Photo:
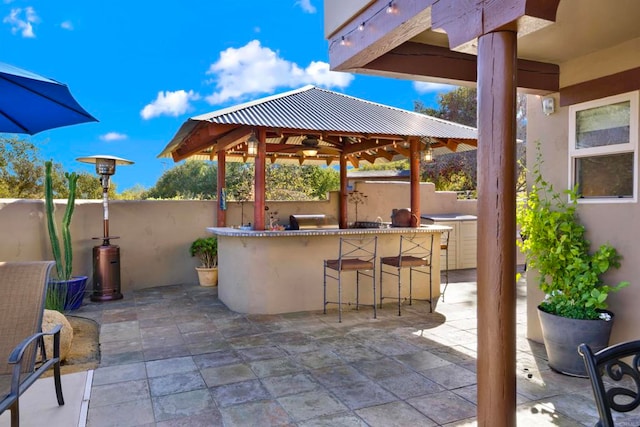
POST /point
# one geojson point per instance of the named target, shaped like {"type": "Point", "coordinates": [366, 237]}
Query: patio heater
{"type": "Point", "coordinates": [106, 257]}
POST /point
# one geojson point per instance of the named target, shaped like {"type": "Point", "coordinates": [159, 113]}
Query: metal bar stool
{"type": "Point", "coordinates": [444, 246]}
{"type": "Point", "coordinates": [415, 254]}
{"type": "Point", "coordinates": [356, 254]}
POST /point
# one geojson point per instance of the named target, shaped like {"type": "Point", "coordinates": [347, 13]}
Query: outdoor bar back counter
{"type": "Point", "coordinates": [270, 272]}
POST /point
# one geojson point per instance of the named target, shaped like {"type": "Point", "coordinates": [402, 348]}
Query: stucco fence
{"type": "Point", "coordinates": [154, 236]}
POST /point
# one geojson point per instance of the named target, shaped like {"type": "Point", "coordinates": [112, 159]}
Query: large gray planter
{"type": "Point", "coordinates": [562, 336]}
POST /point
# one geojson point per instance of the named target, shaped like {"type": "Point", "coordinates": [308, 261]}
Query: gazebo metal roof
{"type": "Point", "coordinates": [360, 129]}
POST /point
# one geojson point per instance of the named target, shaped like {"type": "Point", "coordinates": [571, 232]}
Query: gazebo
{"type": "Point", "coordinates": [316, 126]}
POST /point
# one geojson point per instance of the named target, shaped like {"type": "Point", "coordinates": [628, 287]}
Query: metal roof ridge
{"type": "Point", "coordinates": [234, 108]}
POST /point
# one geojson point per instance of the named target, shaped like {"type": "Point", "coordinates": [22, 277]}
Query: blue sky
{"type": "Point", "coordinates": [143, 68]}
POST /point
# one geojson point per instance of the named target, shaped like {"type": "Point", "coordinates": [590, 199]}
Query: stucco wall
{"type": "Point", "coordinates": [607, 222]}
{"type": "Point", "coordinates": [155, 235]}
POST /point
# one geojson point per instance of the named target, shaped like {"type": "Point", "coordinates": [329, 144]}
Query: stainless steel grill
{"type": "Point", "coordinates": [312, 222]}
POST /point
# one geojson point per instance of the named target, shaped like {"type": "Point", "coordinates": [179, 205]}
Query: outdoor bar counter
{"type": "Point", "coordinates": [271, 272]}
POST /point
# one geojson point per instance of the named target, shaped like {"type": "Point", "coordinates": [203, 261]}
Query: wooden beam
{"type": "Point", "coordinates": [233, 137]}
{"type": "Point", "coordinates": [419, 59]}
{"type": "Point", "coordinates": [496, 229]}
{"type": "Point", "coordinates": [614, 84]}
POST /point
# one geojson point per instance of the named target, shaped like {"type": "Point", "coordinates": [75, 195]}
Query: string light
{"type": "Point", "coordinates": [389, 8]}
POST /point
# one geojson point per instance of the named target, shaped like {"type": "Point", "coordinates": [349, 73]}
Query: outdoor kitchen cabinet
{"type": "Point", "coordinates": [463, 239]}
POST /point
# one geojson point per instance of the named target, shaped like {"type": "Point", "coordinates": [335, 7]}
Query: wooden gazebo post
{"type": "Point", "coordinates": [221, 217]}
{"type": "Point", "coordinates": [343, 211]}
{"type": "Point", "coordinates": [414, 166]}
{"type": "Point", "coordinates": [496, 228]}
{"type": "Point", "coordinates": [260, 181]}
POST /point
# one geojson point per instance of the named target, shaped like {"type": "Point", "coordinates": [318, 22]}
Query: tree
{"type": "Point", "coordinates": [22, 174]}
{"type": "Point", "coordinates": [193, 179]}
{"type": "Point", "coordinates": [459, 174]}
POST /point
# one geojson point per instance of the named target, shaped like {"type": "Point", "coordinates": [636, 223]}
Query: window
{"type": "Point", "coordinates": [603, 141]}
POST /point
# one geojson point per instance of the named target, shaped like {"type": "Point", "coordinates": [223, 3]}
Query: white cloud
{"type": "Point", "coordinates": [21, 21]}
{"type": "Point", "coordinates": [253, 69]}
{"type": "Point", "coordinates": [169, 104]}
{"type": "Point", "coordinates": [427, 87]}
{"type": "Point", "coordinates": [67, 25]}
{"type": "Point", "coordinates": [113, 136]}
{"type": "Point", "coordinates": [306, 6]}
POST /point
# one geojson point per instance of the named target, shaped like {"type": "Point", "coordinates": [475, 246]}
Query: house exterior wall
{"type": "Point", "coordinates": [605, 222]}
{"type": "Point", "coordinates": [155, 235]}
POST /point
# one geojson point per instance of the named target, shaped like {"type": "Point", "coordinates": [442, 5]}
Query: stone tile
{"type": "Point", "coordinates": [290, 384]}
{"type": "Point", "coordinates": [249, 341]}
{"type": "Point", "coordinates": [151, 323]}
{"type": "Point", "coordinates": [218, 358]}
{"type": "Point", "coordinates": [409, 385]}
{"type": "Point", "coordinates": [226, 374]}
{"type": "Point", "coordinates": [242, 392]}
{"type": "Point", "coordinates": [207, 347]}
{"type": "Point", "coordinates": [176, 365]}
{"type": "Point", "coordinates": [537, 414]}
{"type": "Point", "coordinates": [252, 354]}
{"type": "Point", "coordinates": [382, 368]}
{"type": "Point", "coordinates": [120, 373]}
{"type": "Point", "coordinates": [202, 324]}
{"type": "Point", "coordinates": [444, 407]}
{"type": "Point", "coordinates": [176, 383]}
{"type": "Point", "coordinates": [151, 354]}
{"type": "Point", "coordinates": [318, 359]}
{"type": "Point", "coordinates": [120, 331]}
{"type": "Point", "coordinates": [159, 341]}
{"type": "Point", "coordinates": [361, 395]}
{"type": "Point", "coordinates": [274, 367]}
{"type": "Point", "coordinates": [114, 347]}
{"type": "Point", "coordinates": [210, 418]}
{"type": "Point", "coordinates": [451, 376]}
{"type": "Point", "coordinates": [357, 353]}
{"type": "Point", "coordinates": [181, 405]}
{"type": "Point", "coordinates": [303, 406]}
{"type": "Point", "coordinates": [339, 420]}
{"type": "Point", "coordinates": [126, 414]}
{"type": "Point", "coordinates": [422, 360]}
{"type": "Point", "coordinates": [394, 414]}
{"type": "Point", "coordinates": [110, 394]}
{"type": "Point", "coordinates": [336, 376]}
{"type": "Point", "coordinates": [119, 315]}
{"type": "Point", "coordinates": [392, 347]}
{"type": "Point", "coordinates": [121, 358]}
{"type": "Point", "coordinates": [197, 337]}
{"type": "Point", "coordinates": [269, 412]}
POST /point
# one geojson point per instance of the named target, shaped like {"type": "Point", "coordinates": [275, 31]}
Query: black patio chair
{"type": "Point", "coordinates": [615, 379]}
{"type": "Point", "coordinates": [23, 287]}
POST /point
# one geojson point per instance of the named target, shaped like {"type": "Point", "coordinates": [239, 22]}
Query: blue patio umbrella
{"type": "Point", "coordinates": [30, 103]}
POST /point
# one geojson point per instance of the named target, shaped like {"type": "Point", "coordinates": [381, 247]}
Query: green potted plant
{"type": "Point", "coordinates": [65, 291]}
{"type": "Point", "coordinates": [575, 306]}
{"type": "Point", "coordinates": [206, 249]}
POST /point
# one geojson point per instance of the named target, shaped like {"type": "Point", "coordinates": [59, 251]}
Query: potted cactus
{"type": "Point", "coordinates": [65, 291]}
{"type": "Point", "coordinates": [206, 249]}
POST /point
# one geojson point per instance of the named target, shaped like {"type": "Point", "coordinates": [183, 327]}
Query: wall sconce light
{"type": "Point", "coordinates": [252, 145]}
{"type": "Point", "coordinates": [427, 154]}
{"type": "Point", "coordinates": [548, 105]}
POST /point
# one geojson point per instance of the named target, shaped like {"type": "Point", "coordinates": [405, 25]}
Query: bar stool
{"type": "Point", "coordinates": [356, 254]}
{"type": "Point", "coordinates": [415, 254]}
{"type": "Point", "coordinates": [444, 246]}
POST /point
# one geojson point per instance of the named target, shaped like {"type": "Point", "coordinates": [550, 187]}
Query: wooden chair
{"type": "Point", "coordinates": [415, 254]}
{"type": "Point", "coordinates": [23, 287]}
{"type": "Point", "coordinates": [355, 255]}
{"type": "Point", "coordinates": [615, 382]}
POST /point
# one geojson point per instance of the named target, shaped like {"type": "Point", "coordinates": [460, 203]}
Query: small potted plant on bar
{"type": "Point", "coordinates": [574, 310]}
{"type": "Point", "coordinates": [206, 249]}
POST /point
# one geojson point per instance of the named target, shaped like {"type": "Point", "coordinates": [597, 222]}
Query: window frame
{"type": "Point", "coordinates": [629, 147]}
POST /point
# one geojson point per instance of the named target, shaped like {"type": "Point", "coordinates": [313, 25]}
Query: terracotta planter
{"type": "Point", "coordinates": [562, 336]}
{"type": "Point", "coordinates": [207, 276]}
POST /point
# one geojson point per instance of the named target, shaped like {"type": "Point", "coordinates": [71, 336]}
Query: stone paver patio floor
{"type": "Point", "coordinates": [176, 356]}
